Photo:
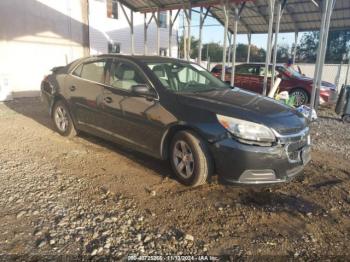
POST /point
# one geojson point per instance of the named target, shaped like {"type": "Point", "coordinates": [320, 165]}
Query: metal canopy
{"type": "Point", "coordinates": [298, 16]}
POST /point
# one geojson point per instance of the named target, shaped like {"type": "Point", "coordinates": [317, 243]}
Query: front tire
{"type": "Point", "coordinates": [62, 120]}
{"type": "Point", "coordinates": [190, 159]}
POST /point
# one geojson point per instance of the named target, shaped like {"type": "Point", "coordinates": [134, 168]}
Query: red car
{"type": "Point", "coordinates": [251, 77]}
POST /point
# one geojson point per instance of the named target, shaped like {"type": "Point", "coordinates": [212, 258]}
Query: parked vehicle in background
{"type": "Point", "coordinates": [176, 110]}
{"type": "Point", "coordinates": [251, 77]}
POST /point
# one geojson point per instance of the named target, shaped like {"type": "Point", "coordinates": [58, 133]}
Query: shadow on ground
{"type": "Point", "coordinates": [34, 109]}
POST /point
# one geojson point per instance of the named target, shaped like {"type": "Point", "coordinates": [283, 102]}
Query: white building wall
{"type": "Point", "coordinates": [36, 35]}
{"type": "Point", "coordinates": [104, 29]}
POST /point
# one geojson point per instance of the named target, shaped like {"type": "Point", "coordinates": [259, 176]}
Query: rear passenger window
{"type": "Point", "coordinates": [247, 70]}
{"type": "Point", "coordinates": [94, 71]}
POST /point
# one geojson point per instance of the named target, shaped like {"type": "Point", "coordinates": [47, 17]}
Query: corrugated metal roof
{"type": "Point", "coordinates": [298, 15]}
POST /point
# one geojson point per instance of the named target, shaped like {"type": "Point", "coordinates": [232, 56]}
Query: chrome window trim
{"type": "Point", "coordinates": [109, 86]}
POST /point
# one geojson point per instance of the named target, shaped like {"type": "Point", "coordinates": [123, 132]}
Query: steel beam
{"type": "Point", "coordinates": [235, 27]}
{"type": "Point", "coordinates": [229, 36]}
{"type": "Point", "coordinates": [201, 24]}
{"type": "Point", "coordinates": [295, 45]}
{"type": "Point", "coordinates": [158, 33]}
{"type": "Point", "coordinates": [224, 50]}
{"type": "Point", "coordinates": [145, 34]}
{"type": "Point", "coordinates": [275, 46]}
{"type": "Point", "coordinates": [199, 58]}
{"type": "Point", "coordinates": [171, 26]}
{"type": "Point", "coordinates": [268, 45]}
{"type": "Point", "coordinates": [188, 20]}
{"type": "Point", "coordinates": [327, 7]}
{"type": "Point", "coordinates": [249, 46]}
{"type": "Point", "coordinates": [130, 21]}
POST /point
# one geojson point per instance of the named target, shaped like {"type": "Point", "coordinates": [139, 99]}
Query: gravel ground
{"type": "Point", "coordinates": [85, 198]}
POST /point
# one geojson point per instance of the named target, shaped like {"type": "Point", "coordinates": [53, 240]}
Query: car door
{"type": "Point", "coordinates": [128, 117]}
{"type": "Point", "coordinates": [245, 75]}
{"type": "Point", "coordinates": [85, 88]}
{"type": "Point", "coordinates": [260, 82]}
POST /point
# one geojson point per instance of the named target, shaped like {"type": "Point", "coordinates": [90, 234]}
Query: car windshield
{"type": "Point", "coordinates": [184, 77]}
{"type": "Point", "coordinates": [290, 71]}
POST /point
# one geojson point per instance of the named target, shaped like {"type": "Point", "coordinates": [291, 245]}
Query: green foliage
{"type": "Point", "coordinates": [337, 45]}
{"type": "Point", "coordinates": [213, 50]}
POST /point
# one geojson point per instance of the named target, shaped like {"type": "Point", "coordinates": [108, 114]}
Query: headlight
{"type": "Point", "coordinates": [247, 130]}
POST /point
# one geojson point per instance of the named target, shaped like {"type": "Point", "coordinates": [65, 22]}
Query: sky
{"type": "Point", "coordinates": [213, 31]}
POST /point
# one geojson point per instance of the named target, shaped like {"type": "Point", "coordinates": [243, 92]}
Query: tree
{"type": "Point", "coordinates": [256, 54]}
{"type": "Point", "coordinates": [194, 47]}
{"type": "Point", "coordinates": [283, 53]}
{"type": "Point", "coordinates": [337, 45]}
{"type": "Point", "coordinates": [214, 51]}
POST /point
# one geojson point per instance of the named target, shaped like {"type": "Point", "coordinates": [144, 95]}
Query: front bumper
{"type": "Point", "coordinates": [248, 164]}
{"type": "Point", "coordinates": [328, 97]}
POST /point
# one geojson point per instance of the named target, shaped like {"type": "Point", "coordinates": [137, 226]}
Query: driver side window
{"type": "Point", "coordinates": [123, 75]}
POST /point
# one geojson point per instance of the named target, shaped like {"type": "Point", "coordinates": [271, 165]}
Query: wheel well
{"type": "Point", "coordinates": [55, 100]}
{"type": "Point", "coordinates": [166, 142]}
{"type": "Point", "coordinates": [303, 89]}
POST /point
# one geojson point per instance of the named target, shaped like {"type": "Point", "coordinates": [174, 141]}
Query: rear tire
{"type": "Point", "coordinates": [301, 96]}
{"type": "Point", "coordinates": [190, 159]}
{"type": "Point", "coordinates": [62, 120]}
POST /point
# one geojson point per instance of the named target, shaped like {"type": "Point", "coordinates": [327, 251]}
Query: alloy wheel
{"type": "Point", "coordinates": [300, 98]}
{"type": "Point", "coordinates": [61, 119]}
{"type": "Point", "coordinates": [183, 159]}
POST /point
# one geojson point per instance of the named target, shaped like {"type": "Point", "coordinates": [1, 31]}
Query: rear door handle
{"type": "Point", "coordinates": [108, 99]}
{"type": "Point", "coordinates": [72, 88]}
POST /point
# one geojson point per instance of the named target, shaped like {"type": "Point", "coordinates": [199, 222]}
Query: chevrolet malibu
{"type": "Point", "coordinates": [176, 110]}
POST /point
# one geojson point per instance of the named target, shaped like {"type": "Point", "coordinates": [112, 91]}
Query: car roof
{"type": "Point", "coordinates": [260, 64]}
{"type": "Point", "coordinates": [142, 58]}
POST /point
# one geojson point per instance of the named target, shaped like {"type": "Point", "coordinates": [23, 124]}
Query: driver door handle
{"type": "Point", "coordinates": [108, 99]}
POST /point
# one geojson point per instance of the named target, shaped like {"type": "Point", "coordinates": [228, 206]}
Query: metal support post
{"type": "Point", "coordinates": [327, 9]}
{"type": "Point", "coordinates": [158, 33]}
{"type": "Point", "coordinates": [199, 58]}
{"type": "Point", "coordinates": [235, 26]}
{"type": "Point", "coordinates": [145, 34]}
{"type": "Point", "coordinates": [249, 35]}
{"type": "Point", "coordinates": [229, 47]}
{"type": "Point", "coordinates": [170, 31]}
{"type": "Point", "coordinates": [132, 32]}
{"type": "Point", "coordinates": [201, 24]}
{"type": "Point", "coordinates": [269, 42]}
{"type": "Point", "coordinates": [130, 21]}
{"type": "Point", "coordinates": [295, 45]}
{"type": "Point", "coordinates": [171, 26]}
{"type": "Point", "coordinates": [184, 33]}
{"type": "Point", "coordinates": [146, 25]}
{"type": "Point", "coordinates": [275, 46]}
{"type": "Point", "coordinates": [224, 50]}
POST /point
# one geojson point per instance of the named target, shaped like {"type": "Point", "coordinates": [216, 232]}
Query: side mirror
{"type": "Point", "coordinates": [144, 91]}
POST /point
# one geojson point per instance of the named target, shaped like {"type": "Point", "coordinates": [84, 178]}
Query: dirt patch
{"type": "Point", "coordinates": [88, 197]}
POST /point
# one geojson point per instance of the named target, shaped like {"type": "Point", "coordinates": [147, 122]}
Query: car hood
{"type": "Point", "coordinates": [247, 106]}
{"type": "Point", "coordinates": [323, 83]}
